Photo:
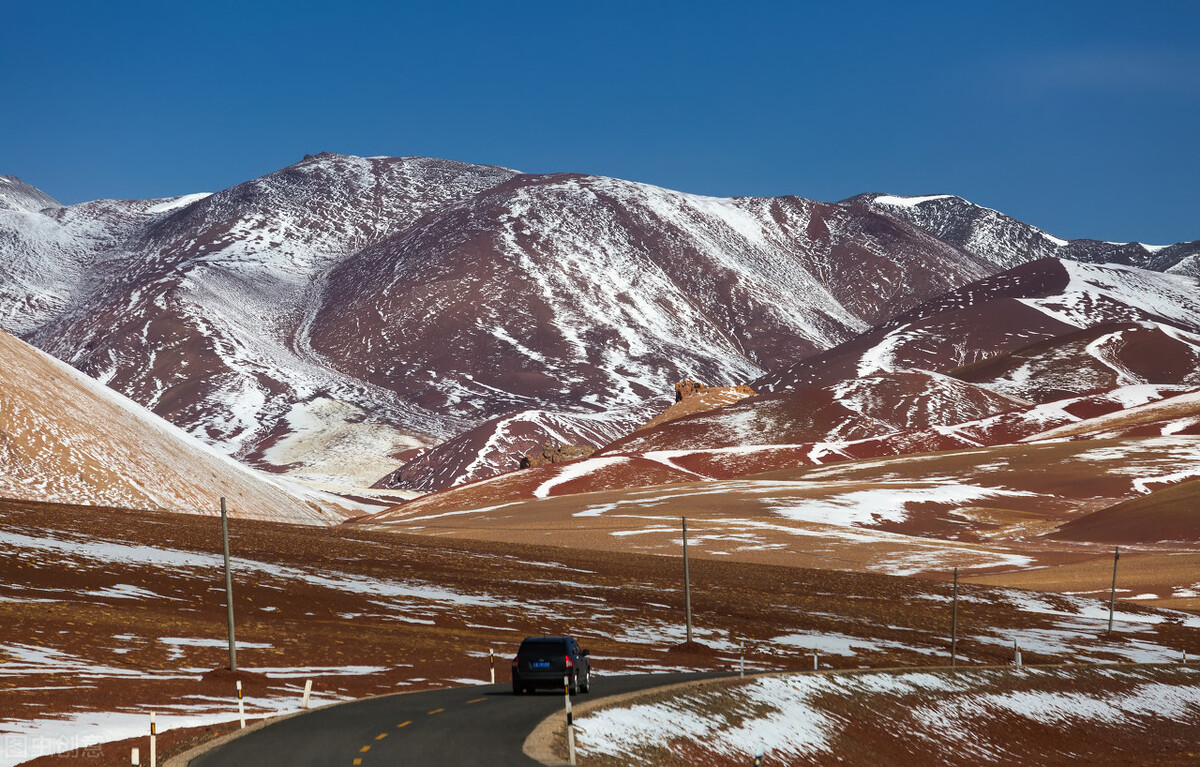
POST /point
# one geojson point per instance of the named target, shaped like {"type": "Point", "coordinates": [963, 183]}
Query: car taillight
{"type": "Point", "coordinates": [570, 663]}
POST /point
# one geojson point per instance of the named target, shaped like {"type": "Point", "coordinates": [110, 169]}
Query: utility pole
{"type": "Point", "coordinates": [1112, 599]}
{"type": "Point", "coordinates": [954, 625]}
{"type": "Point", "coordinates": [687, 584]}
{"type": "Point", "coordinates": [228, 586]}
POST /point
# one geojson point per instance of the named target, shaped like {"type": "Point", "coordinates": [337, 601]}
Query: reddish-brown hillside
{"type": "Point", "coordinates": [1097, 358]}
{"type": "Point", "coordinates": [551, 291]}
{"type": "Point", "coordinates": [844, 412]}
{"type": "Point", "coordinates": [1036, 302]}
{"type": "Point", "coordinates": [1169, 514]}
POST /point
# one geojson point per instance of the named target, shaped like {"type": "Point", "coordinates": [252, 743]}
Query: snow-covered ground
{"type": "Point", "coordinates": [972, 716]}
{"type": "Point", "coordinates": [77, 733]}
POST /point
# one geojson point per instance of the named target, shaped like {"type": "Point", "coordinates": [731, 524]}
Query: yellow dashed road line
{"type": "Point", "coordinates": [477, 700]}
{"type": "Point", "coordinates": [382, 735]}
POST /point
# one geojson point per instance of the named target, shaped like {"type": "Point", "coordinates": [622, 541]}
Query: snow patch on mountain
{"type": "Point", "coordinates": [1115, 293]}
{"type": "Point", "coordinates": [576, 470]}
{"type": "Point", "coordinates": [869, 507]}
{"type": "Point", "coordinates": [174, 203]}
{"type": "Point", "coordinates": [330, 441]}
{"type": "Point", "coordinates": [907, 202]}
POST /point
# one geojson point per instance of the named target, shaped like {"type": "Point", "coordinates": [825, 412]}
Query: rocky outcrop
{"type": "Point", "coordinates": [693, 397]}
{"type": "Point", "coordinates": [556, 452]}
{"type": "Point", "coordinates": [689, 388]}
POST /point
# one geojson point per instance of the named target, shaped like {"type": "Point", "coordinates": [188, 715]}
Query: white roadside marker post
{"type": "Point", "coordinates": [1112, 599]}
{"type": "Point", "coordinates": [758, 759]}
{"type": "Point", "coordinates": [153, 742]}
{"type": "Point", "coordinates": [815, 657]}
{"type": "Point", "coordinates": [1185, 656]}
{"type": "Point", "coordinates": [1016, 654]}
{"type": "Point", "coordinates": [742, 660]}
{"type": "Point", "coordinates": [307, 693]}
{"type": "Point", "coordinates": [570, 721]}
{"type": "Point", "coordinates": [687, 585]}
{"type": "Point", "coordinates": [241, 705]}
{"type": "Point", "coordinates": [135, 758]}
{"type": "Point", "coordinates": [954, 625]}
{"type": "Point", "coordinates": [492, 663]}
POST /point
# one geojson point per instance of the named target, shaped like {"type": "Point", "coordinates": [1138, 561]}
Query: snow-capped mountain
{"type": "Point", "coordinates": [197, 307]}
{"type": "Point", "coordinates": [1008, 242]}
{"type": "Point", "coordinates": [349, 307]}
{"type": "Point", "coordinates": [48, 249]}
{"type": "Point", "coordinates": [336, 317]}
{"type": "Point", "coordinates": [16, 195]}
{"type": "Point", "coordinates": [1043, 349]}
{"type": "Point", "coordinates": [551, 291]}
{"type": "Point", "coordinates": [1029, 304]}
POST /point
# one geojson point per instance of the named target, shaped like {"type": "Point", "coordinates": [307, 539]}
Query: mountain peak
{"type": "Point", "coordinates": [1008, 242]}
{"type": "Point", "coordinates": [907, 201]}
{"type": "Point", "coordinates": [15, 194]}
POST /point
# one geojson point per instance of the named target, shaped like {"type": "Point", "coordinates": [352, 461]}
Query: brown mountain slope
{"type": "Point", "coordinates": [1169, 514]}
{"type": "Point", "coordinates": [65, 438]}
{"type": "Point", "coordinates": [1096, 358]}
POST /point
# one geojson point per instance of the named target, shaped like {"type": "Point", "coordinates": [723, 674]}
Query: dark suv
{"type": "Point", "coordinates": [544, 661]}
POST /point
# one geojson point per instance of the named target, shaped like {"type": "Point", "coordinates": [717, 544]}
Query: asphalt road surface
{"type": "Point", "coordinates": [465, 726]}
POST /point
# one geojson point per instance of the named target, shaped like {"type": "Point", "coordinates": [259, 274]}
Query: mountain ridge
{"type": "Point", "coordinates": [1008, 241]}
{"type": "Point", "coordinates": [379, 306]}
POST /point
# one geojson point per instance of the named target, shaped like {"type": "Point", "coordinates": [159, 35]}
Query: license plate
{"type": "Point", "coordinates": [541, 664]}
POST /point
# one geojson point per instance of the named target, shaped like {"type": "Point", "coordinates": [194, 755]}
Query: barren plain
{"type": "Point", "coordinates": [109, 614]}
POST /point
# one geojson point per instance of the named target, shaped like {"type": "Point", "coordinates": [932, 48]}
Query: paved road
{"type": "Point", "coordinates": [465, 726]}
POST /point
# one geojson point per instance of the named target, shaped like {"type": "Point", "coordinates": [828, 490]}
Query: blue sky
{"type": "Point", "coordinates": [1081, 118]}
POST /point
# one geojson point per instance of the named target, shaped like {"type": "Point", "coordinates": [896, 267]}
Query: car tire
{"type": "Point", "coordinates": [586, 686]}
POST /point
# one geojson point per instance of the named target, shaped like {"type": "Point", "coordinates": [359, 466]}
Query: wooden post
{"type": "Point", "coordinates": [1112, 599]}
{"type": "Point", "coordinates": [228, 587]}
{"type": "Point", "coordinates": [687, 584]}
{"type": "Point", "coordinates": [954, 625]}
{"type": "Point", "coordinates": [307, 693]}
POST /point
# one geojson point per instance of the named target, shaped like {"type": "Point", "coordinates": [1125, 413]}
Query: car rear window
{"type": "Point", "coordinates": [543, 645]}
